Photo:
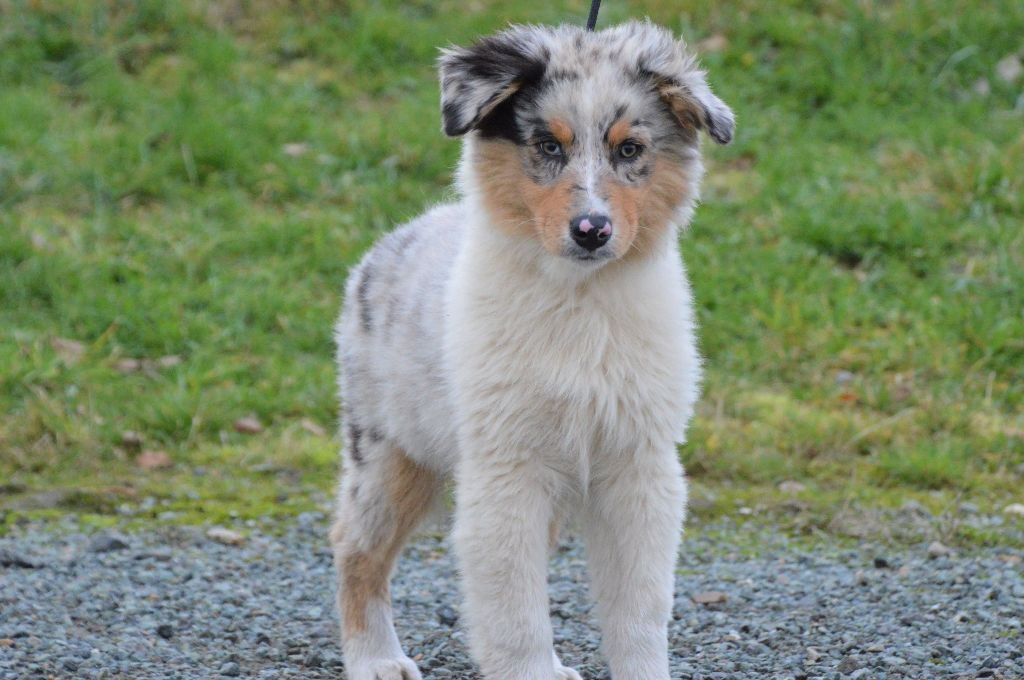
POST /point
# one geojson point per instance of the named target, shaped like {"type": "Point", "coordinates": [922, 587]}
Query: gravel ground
{"type": "Point", "coordinates": [173, 603]}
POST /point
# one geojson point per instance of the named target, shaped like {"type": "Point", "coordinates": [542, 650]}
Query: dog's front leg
{"type": "Point", "coordinates": [503, 514]}
{"type": "Point", "coordinates": [632, 526]}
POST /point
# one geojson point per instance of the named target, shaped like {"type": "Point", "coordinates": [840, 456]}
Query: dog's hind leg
{"type": "Point", "coordinates": [382, 498]}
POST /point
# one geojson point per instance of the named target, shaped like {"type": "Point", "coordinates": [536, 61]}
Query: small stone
{"type": "Point", "coordinates": [969, 508]}
{"type": "Point", "coordinates": [859, 673]}
{"type": "Point", "coordinates": [107, 542]}
{"type": "Point", "coordinates": [710, 597]}
{"type": "Point", "coordinates": [937, 549]}
{"type": "Point", "coordinates": [225, 536]}
{"type": "Point", "coordinates": [230, 669]}
{"type": "Point", "coordinates": [13, 559]}
{"type": "Point", "coordinates": [130, 439]}
{"type": "Point", "coordinates": [849, 664]}
{"type": "Point", "coordinates": [891, 660]}
{"type": "Point", "coordinates": [6, 642]}
{"type": "Point", "coordinates": [981, 87]}
{"type": "Point", "coordinates": [913, 507]}
{"type": "Point", "coordinates": [1014, 509]}
{"type": "Point", "coordinates": [312, 659]}
{"type": "Point", "coordinates": [844, 377]}
{"type": "Point", "coordinates": [1010, 68]}
{"type": "Point", "coordinates": [70, 664]}
{"type": "Point", "coordinates": [165, 630]}
{"type": "Point", "coordinates": [447, 616]}
{"type": "Point", "coordinates": [861, 577]}
{"type": "Point", "coordinates": [248, 425]}
{"type": "Point", "coordinates": [881, 563]}
{"type": "Point", "coordinates": [791, 486]}
{"type": "Point", "coordinates": [813, 655]}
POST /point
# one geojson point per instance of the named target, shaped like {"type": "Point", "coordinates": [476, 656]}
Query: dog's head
{"type": "Point", "coordinates": [587, 141]}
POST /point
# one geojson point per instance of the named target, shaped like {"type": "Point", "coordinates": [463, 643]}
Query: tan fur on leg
{"type": "Point", "coordinates": [367, 540]}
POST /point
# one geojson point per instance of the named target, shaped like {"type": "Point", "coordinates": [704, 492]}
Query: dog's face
{"type": "Point", "coordinates": [586, 141]}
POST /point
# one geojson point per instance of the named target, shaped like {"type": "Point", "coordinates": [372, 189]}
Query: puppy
{"type": "Point", "coordinates": [535, 341]}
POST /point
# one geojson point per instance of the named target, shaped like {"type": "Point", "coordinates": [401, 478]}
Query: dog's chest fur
{"type": "Point", "coordinates": [571, 364]}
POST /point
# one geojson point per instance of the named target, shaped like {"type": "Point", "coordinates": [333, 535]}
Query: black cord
{"type": "Point", "coordinates": [595, 6]}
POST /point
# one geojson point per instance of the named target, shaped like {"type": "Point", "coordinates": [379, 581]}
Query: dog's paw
{"type": "Point", "coordinates": [564, 672]}
{"type": "Point", "coordinates": [386, 669]}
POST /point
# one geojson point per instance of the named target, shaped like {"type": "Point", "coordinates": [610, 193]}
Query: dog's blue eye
{"type": "Point", "coordinates": [629, 150]}
{"type": "Point", "coordinates": [550, 148]}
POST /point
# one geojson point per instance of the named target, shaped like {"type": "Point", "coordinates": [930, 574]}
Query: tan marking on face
{"type": "Point", "coordinates": [499, 170]}
{"type": "Point", "coordinates": [562, 132]}
{"type": "Point", "coordinates": [520, 206]}
{"type": "Point", "coordinates": [410, 490]}
{"type": "Point", "coordinates": [552, 210]}
{"type": "Point", "coordinates": [642, 214]}
{"type": "Point", "coordinates": [619, 132]}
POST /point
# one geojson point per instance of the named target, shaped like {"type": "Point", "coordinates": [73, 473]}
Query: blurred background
{"type": "Point", "coordinates": [183, 185]}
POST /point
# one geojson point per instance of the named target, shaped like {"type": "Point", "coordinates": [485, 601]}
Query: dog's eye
{"type": "Point", "coordinates": [629, 150]}
{"type": "Point", "coordinates": [550, 148]}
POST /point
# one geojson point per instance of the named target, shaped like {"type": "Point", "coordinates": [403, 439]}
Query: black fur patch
{"type": "Point", "coordinates": [491, 65]}
{"type": "Point", "coordinates": [720, 133]}
{"type": "Point", "coordinates": [363, 293]}
{"type": "Point", "coordinates": [355, 437]}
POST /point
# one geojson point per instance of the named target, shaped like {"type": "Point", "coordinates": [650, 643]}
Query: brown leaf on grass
{"type": "Point", "coordinates": [131, 365]}
{"type": "Point", "coordinates": [312, 427]}
{"type": "Point", "coordinates": [248, 425]}
{"type": "Point", "coordinates": [225, 536]}
{"type": "Point", "coordinates": [127, 365]}
{"type": "Point", "coordinates": [154, 460]}
{"type": "Point", "coordinates": [710, 597]}
{"type": "Point", "coordinates": [71, 351]}
{"type": "Point", "coordinates": [169, 361]}
{"type": "Point", "coordinates": [715, 43]}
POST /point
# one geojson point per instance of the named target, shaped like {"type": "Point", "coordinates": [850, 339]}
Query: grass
{"type": "Point", "coordinates": [192, 179]}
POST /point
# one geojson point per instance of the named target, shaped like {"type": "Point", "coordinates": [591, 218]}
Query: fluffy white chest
{"type": "Point", "coordinates": [570, 359]}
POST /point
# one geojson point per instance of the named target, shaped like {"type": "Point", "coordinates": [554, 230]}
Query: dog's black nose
{"type": "Point", "coordinates": [590, 231]}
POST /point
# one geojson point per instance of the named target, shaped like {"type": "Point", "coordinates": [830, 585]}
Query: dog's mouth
{"type": "Point", "coordinates": [577, 254]}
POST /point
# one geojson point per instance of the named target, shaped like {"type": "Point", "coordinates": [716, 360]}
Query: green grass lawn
{"type": "Point", "coordinates": [189, 181]}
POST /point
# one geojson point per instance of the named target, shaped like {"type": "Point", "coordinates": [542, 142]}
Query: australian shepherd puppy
{"type": "Point", "coordinates": [535, 342]}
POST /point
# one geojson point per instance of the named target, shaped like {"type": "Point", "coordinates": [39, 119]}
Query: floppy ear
{"type": "Point", "coordinates": [681, 84]}
{"type": "Point", "coordinates": [695, 105]}
{"type": "Point", "coordinates": [475, 80]}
